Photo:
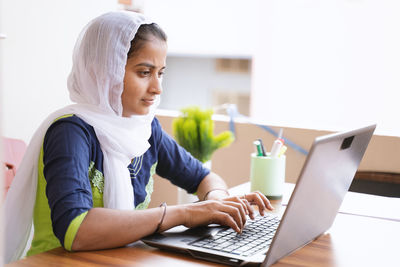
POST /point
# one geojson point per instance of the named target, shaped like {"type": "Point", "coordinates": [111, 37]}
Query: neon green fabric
{"type": "Point", "coordinates": [44, 238]}
{"type": "Point", "coordinates": [72, 230]}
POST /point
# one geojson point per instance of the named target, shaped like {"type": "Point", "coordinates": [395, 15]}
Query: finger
{"type": "Point", "coordinates": [224, 218]}
{"type": "Point", "coordinates": [257, 200]}
{"type": "Point", "coordinates": [244, 202]}
{"type": "Point", "coordinates": [250, 209]}
{"type": "Point", "coordinates": [266, 201]}
{"type": "Point", "coordinates": [243, 211]}
{"type": "Point", "coordinates": [236, 210]}
{"type": "Point", "coordinates": [246, 206]}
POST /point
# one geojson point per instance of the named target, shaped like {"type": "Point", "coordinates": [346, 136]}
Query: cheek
{"type": "Point", "coordinates": [129, 85]}
{"type": "Point", "coordinates": [133, 81]}
{"type": "Point", "coordinates": [133, 90]}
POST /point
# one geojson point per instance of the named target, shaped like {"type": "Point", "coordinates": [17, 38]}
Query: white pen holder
{"type": "Point", "coordinates": [267, 175]}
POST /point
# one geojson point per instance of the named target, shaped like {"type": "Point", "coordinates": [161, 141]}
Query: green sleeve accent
{"type": "Point", "coordinates": [149, 189]}
{"type": "Point", "coordinates": [63, 116]}
{"type": "Point", "coordinates": [97, 184]}
{"type": "Point", "coordinates": [72, 230]}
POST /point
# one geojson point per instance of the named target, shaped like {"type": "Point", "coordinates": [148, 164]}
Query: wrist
{"type": "Point", "coordinates": [216, 194]}
{"type": "Point", "coordinates": [175, 215]}
{"type": "Point", "coordinates": [163, 206]}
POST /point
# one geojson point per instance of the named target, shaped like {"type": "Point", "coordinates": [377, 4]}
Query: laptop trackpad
{"type": "Point", "coordinates": [185, 235]}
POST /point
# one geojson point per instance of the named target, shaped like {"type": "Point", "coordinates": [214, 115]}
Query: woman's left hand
{"type": "Point", "coordinates": [253, 198]}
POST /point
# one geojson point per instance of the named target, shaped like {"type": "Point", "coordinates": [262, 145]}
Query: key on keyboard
{"type": "Point", "coordinates": [257, 235]}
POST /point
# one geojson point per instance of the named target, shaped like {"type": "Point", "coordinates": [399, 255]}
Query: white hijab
{"type": "Point", "coordinates": [95, 84]}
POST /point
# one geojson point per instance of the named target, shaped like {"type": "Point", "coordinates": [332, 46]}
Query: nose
{"type": "Point", "coordinates": [156, 85]}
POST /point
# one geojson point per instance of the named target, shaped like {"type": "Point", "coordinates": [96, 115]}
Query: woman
{"type": "Point", "coordinates": [86, 179]}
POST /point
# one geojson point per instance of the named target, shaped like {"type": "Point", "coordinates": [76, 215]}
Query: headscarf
{"type": "Point", "coordinates": [95, 84]}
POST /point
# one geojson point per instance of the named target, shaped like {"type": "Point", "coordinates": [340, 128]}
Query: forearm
{"type": "Point", "coordinates": [107, 228]}
{"type": "Point", "coordinates": [210, 182]}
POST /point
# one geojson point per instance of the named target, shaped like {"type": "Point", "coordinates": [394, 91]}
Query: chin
{"type": "Point", "coordinates": [142, 112]}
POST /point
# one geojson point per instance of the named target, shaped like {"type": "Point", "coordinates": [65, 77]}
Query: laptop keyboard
{"type": "Point", "coordinates": [257, 235]}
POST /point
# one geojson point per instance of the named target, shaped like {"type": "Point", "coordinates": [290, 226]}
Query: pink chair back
{"type": "Point", "coordinates": [13, 153]}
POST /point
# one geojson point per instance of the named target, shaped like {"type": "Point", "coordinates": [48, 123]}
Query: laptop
{"type": "Point", "coordinates": [323, 182]}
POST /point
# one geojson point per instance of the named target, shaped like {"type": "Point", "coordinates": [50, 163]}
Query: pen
{"type": "Point", "coordinates": [259, 149]}
{"type": "Point", "coordinates": [262, 147]}
{"type": "Point", "coordinates": [276, 147]}
{"type": "Point", "coordinates": [282, 151]}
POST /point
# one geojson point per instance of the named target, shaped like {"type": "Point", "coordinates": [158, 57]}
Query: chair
{"type": "Point", "coordinates": [13, 152]}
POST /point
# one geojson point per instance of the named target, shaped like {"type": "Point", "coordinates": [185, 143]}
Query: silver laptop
{"type": "Point", "coordinates": [323, 182]}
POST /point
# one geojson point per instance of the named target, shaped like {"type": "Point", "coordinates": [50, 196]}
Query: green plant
{"type": "Point", "coordinates": [194, 130]}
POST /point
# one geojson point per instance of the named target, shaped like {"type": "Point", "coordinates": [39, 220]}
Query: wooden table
{"type": "Point", "coordinates": [353, 240]}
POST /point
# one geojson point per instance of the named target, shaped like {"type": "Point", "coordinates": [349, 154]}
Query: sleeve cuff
{"type": "Point", "coordinates": [72, 230]}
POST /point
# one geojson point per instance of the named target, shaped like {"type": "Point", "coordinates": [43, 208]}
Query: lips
{"type": "Point", "coordinates": [149, 101]}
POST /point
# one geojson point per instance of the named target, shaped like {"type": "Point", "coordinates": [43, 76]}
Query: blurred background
{"type": "Point", "coordinates": [325, 65]}
{"type": "Point", "coordinates": [209, 61]}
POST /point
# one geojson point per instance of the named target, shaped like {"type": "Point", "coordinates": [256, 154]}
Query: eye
{"type": "Point", "coordinates": [161, 73]}
{"type": "Point", "coordinates": [144, 73]}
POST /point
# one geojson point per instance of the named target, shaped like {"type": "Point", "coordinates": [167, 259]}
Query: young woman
{"type": "Point", "coordinates": [86, 178]}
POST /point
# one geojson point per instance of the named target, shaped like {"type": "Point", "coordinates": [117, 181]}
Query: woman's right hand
{"type": "Point", "coordinates": [228, 213]}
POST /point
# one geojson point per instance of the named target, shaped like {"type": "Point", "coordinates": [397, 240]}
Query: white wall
{"type": "Point", "coordinates": [36, 57]}
{"type": "Point", "coordinates": [198, 32]}
{"type": "Point", "coordinates": [328, 65]}
{"type": "Point", "coordinates": [41, 34]}
{"type": "Point", "coordinates": [206, 27]}
{"type": "Point", "coordinates": [191, 81]}
{"type": "Point", "coordinates": [342, 52]}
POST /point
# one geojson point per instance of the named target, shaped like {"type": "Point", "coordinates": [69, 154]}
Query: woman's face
{"type": "Point", "coordinates": [143, 76]}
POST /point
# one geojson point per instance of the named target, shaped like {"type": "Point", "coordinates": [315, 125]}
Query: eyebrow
{"type": "Point", "coordinates": [147, 65]}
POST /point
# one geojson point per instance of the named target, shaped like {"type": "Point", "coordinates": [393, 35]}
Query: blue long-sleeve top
{"type": "Point", "coordinates": [70, 177]}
